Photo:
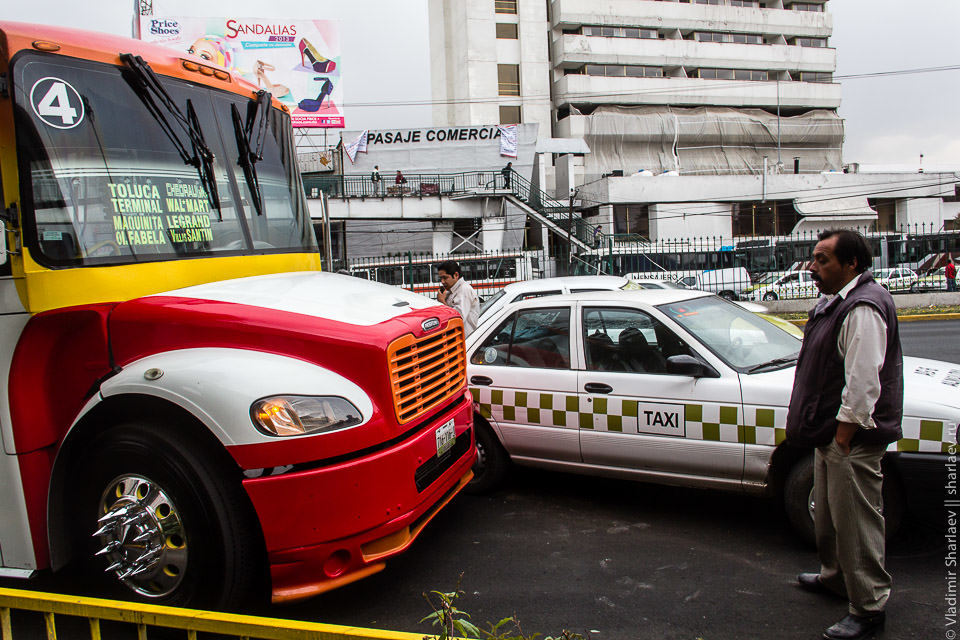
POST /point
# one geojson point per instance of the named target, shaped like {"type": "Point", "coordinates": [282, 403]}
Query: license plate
{"type": "Point", "coordinates": [446, 436]}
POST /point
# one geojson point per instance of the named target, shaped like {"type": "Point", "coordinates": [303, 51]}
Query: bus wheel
{"type": "Point", "coordinates": [799, 504]}
{"type": "Point", "coordinates": [769, 296]}
{"type": "Point", "coordinates": [166, 521]}
{"type": "Point", "coordinates": [728, 295]}
{"type": "Point", "coordinates": [493, 461]}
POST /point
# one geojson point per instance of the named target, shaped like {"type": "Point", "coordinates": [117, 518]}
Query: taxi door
{"type": "Point", "coordinates": [637, 417]}
{"type": "Point", "coordinates": [522, 381]}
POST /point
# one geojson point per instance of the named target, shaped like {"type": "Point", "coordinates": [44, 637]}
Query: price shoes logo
{"type": "Point", "coordinates": [159, 27]}
{"type": "Point", "coordinates": [56, 103]}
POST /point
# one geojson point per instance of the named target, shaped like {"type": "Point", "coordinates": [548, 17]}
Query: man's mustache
{"type": "Point", "coordinates": [815, 277]}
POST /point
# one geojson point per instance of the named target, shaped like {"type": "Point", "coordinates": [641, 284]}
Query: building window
{"type": "Point", "coordinates": [507, 31]}
{"type": "Point", "coordinates": [753, 4]}
{"type": "Point", "coordinates": [816, 76]}
{"type": "Point", "coordinates": [732, 74]}
{"type": "Point", "coordinates": [505, 6]}
{"type": "Point", "coordinates": [807, 6]}
{"type": "Point", "coordinates": [619, 32]}
{"type": "Point", "coordinates": [738, 38]}
{"type": "Point", "coordinates": [809, 42]}
{"type": "Point", "coordinates": [617, 71]}
{"type": "Point", "coordinates": [508, 78]}
{"type": "Point", "coordinates": [510, 115]}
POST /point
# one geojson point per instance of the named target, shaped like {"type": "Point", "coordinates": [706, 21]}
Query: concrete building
{"type": "Point", "coordinates": [672, 119]}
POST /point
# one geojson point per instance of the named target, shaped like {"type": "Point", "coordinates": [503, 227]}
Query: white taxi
{"type": "Point", "coordinates": [676, 387]}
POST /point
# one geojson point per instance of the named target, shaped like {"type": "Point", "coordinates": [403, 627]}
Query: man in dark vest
{"type": "Point", "coordinates": [847, 402]}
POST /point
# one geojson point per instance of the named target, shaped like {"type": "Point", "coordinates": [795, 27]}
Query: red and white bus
{"type": "Point", "coordinates": [187, 404]}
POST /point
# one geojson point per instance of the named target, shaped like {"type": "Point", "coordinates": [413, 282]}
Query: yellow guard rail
{"type": "Point", "coordinates": [190, 620]}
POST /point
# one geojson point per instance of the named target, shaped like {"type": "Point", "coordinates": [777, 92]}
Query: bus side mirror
{"type": "Point", "coordinates": [3, 243]}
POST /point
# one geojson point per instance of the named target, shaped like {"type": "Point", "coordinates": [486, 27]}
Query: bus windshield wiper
{"type": "Point", "coordinates": [776, 362]}
{"type": "Point", "coordinates": [254, 129]}
{"type": "Point", "coordinates": [159, 103]}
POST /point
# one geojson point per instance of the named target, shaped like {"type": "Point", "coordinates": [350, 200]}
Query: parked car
{"type": "Point", "coordinates": [896, 278]}
{"type": "Point", "coordinates": [726, 283]}
{"type": "Point", "coordinates": [936, 280]}
{"type": "Point", "coordinates": [789, 286]}
{"type": "Point", "coordinates": [673, 387]}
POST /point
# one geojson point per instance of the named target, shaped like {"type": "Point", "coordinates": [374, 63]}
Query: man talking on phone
{"type": "Point", "coordinates": [457, 293]}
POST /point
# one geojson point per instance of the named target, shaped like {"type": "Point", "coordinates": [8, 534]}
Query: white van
{"type": "Point", "coordinates": [726, 283]}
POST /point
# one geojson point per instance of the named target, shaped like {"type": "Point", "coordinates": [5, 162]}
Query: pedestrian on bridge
{"type": "Point", "coordinates": [505, 172]}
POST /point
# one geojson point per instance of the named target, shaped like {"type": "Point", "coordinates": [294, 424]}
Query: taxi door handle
{"type": "Point", "coordinates": [597, 387]}
{"type": "Point", "coordinates": [481, 380]}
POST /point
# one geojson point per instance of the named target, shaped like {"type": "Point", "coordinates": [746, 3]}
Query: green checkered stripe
{"type": "Point", "coordinates": [764, 425]}
{"type": "Point", "coordinates": [528, 407]}
{"type": "Point", "coordinates": [614, 414]}
{"type": "Point", "coordinates": [926, 436]}
{"type": "Point", "coordinates": [712, 422]}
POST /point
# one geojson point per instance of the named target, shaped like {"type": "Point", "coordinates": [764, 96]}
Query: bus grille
{"type": "Point", "coordinates": [426, 371]}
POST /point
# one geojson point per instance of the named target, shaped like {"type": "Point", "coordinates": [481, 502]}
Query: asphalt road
{"type": "Point", "coordinates": [621, 560]}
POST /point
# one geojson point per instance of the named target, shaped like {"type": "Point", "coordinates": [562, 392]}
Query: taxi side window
{"type": "Point", "coordinates": [536, 338]}
{"type": "Point", "coordinates": [628, 340]}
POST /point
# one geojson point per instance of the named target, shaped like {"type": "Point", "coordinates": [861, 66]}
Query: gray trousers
{"type": "Point", "coordinates": [849, 525]}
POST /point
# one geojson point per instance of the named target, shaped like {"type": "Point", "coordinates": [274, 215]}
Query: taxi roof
{"type": "Point", "coordinates": [652, 297]}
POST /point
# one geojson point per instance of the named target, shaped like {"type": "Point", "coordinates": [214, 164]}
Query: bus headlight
{"type": "Point", "coordinates": [301, 415]}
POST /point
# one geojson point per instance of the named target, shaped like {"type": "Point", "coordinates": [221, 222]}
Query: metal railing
{"type": "Point", "coordinates": [762, 269]}
{"type": "Point", "coordinates": [451, 184]}
{"type": "Point", "coordinates": [416, 185]}
{"type": "Point", "coordinates": [76, 611]}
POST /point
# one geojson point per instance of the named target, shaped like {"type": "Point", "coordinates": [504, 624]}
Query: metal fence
{"type": "Point", "coordinates": [912, 259]}
{"type": "Point", "coordinates": [452, 184]}
{"type": "Point", "coordinates": [416, 185]}
{"type": "Point", "coordinates": [31, 614]}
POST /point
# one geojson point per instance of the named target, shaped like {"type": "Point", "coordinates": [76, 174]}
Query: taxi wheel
{"type": "Point", "coordinates": [493, 461]}
{"type": "Point", "coordinates": [769, 296]}
{"type": "Point", "coordinates": [799, 503]}
{"type": "Point", "coordinates": [165, 522]}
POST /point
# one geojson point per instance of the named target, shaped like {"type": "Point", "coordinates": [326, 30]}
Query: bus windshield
{"type": "Point", "coordinates": [109, 180]}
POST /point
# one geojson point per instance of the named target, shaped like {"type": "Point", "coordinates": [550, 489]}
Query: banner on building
{"type": "Point", "coordinates": [298, 61]}
{"type": "Point", "coordinates": [508, 140]}
{"type": "Point", "coordinates": [360, 144]}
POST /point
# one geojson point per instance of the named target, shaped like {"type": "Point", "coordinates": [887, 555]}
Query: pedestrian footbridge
{"type": "Point", "coordinates": [443, 196]}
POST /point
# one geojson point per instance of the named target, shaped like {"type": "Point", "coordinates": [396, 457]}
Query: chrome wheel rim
{"type": "Point", "coordinates": [141, 535]}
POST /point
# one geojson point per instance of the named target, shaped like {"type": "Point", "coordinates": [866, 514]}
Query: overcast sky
{"type": "Point", "coordinates": [889, 120]}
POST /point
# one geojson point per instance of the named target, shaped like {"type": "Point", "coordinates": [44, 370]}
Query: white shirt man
{"type": "Point", "coordinates": [458, 294]}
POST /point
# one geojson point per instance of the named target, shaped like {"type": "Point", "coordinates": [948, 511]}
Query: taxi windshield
{"type": "Point", "coordinates": [111, 178]}
{"type": "Point", "coordinates": [742, 339]}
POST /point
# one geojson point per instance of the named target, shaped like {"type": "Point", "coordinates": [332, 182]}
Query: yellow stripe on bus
{"type": "Point", "coordinates": [42, 289]}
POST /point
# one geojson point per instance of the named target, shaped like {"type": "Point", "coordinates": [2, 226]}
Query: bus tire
{"type": "Point", "coordinates": [185, 508]}
{"type": "Point", "coordinates": [728, 295]}
{"type": "Point", "coordinates": [799, 504]}
{"type": "Point", "coordinates": [769, 296]}
{"type": "Point", "coordinates": [493, 461]}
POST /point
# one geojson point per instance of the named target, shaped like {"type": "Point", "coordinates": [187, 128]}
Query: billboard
{"type": "Point", "coordinates": [298, 61]}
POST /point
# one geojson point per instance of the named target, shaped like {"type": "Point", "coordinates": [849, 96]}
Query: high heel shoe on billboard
{"type": "Point", "coordinates": [308, 104]}
{"type": "Point", "coordinates": [278, 90]}
{"type": "Point", "coordinates": [318, 63]}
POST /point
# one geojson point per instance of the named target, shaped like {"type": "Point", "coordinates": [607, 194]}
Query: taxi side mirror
{"type": "Point", "coordinates": [3, 243]}
{"type": "Point", "coordinates": [684, 365]}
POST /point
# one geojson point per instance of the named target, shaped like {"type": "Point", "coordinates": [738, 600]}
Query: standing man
{"type": "Point", "coordinates": [458, 294]}
{"type": "Point", "coordinates": [505, 172]}
{"type": "Point", "coordinates": [847, 402]}
{"type": "Point", "coordinates": [950, 271]}
{"type": "Point", "coordinates": [376, 179]}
